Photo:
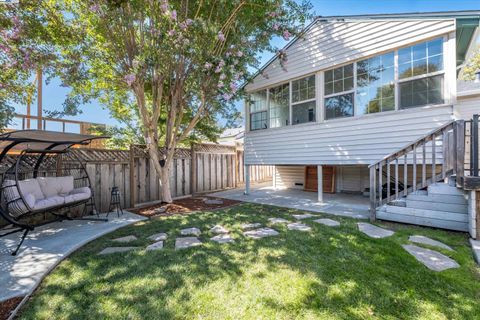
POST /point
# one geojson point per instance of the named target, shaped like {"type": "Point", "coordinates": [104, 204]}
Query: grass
{"type": "Point", "coordinates": [328, 273]}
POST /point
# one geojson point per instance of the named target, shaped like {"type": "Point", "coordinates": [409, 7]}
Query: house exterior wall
{"type": "Point", "coordinates": [291, 177]}
{"type": "Point", "coordinates": [361, 140]}
{"type": "Point", "coordinates": [467, 106]}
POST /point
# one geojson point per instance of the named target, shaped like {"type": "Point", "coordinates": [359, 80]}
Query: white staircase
{"type": "Point", "coordinates": [441, 205]}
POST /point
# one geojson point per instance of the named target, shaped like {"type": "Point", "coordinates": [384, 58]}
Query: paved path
{"type": "Point", "coordinates": [45, 247]}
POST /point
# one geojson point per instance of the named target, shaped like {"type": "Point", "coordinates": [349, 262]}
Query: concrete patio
{"type": "Point", "coordinates": [340, 204]}
{"type": "Point", "coordinates": [47, 246]}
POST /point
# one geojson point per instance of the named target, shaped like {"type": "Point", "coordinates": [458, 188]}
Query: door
{"type": "Point", "coordinates": [311, 179]}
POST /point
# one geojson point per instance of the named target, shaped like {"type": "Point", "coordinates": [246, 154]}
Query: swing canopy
{"type": "Point", "coordinates": [41, 174]}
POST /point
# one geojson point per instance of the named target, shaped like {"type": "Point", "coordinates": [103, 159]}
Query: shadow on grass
{"type": "Point", "coordinates": [326, 273]}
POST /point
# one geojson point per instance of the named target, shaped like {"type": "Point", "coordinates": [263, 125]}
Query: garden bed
{"type": "Point", "coordinates": [184, 205]}
{"type": "Point", "coordinates": [7, 306]}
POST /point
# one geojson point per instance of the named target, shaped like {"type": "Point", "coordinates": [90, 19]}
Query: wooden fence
{"type": "Point", "coordinates": [202, 168]}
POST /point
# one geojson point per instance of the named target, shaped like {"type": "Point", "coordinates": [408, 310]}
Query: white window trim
{"type": "Point", "coordinates": [292, 104]}
{"type": "Point", "coordinates": [268, 104]}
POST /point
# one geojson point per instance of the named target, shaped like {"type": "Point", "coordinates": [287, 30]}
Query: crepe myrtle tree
{"type": "Point", "coordinates": [179, 63]}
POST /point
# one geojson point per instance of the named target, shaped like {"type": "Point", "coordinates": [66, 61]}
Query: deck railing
{"type": "Point", "coordinates": [429, 159]}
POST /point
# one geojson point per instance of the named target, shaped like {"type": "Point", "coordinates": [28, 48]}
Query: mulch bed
{"type": "Point", "coordinates": [7, 306]}
{"type": "Point", "coordinates": [184, 205]}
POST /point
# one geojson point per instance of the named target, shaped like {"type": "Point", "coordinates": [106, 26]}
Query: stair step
{"type": "Point", "coordinates": [431, 214]}
{"type": "Point", "coordinates": [398, 202]}
{"type": "Point", "coordinates": [422, 221]}
{"type": "Point", "coordinates": [430, 204]}
{"type": "Point", "coordinates": [439, 198]}
{"type": "Point", "coordinates": [444, 188]}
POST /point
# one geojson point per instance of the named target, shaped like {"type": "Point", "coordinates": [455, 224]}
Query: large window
{"type": "Point", "coordinates": [279, 102]}
{"type": "Point", "coordinates": [339, 92]}
{"type": "Point", "coordinates": [258, 110]}
{"type": "Point", "coordinates": [303, 100]}
{"type": "Point", "coordinates": [376, 84]}
{"type": "Point", "coordinates": [420, 72]}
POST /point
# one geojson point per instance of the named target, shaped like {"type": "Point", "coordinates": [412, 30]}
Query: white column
{"type": "Point", "coordinates": [247, 179]}
{"type": "Point", "coordinates": [320, 183]}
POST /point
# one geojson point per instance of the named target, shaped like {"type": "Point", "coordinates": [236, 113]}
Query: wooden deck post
{"type": "Point", "coordinates": [320, 183]}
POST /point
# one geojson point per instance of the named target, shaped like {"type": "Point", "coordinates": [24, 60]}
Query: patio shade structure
{"type": "Point", "coordinates": [40, 175]}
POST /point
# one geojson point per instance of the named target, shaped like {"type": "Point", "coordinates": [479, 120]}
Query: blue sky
{"type": "Point", "coordinates": [54, 94]}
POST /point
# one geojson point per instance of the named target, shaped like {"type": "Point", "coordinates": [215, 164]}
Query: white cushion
{"type": "Point", "coordinates": [10, 193]}
{"type": "Point", "coordinates": [49, 202]}
{"type": "Point", "coordinates": [78, 195]}
{"type": "Point", "coordinates": [31, 186]}
{"type": "Point", "coordinates": [54, 186]}
{"type": "Point", "coordinates": [30, 199]}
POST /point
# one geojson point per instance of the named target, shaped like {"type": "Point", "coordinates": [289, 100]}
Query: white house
{"type": "Point", "coordinates": [356, 89]}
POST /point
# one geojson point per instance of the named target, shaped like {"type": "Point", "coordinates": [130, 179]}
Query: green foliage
{"type": "Point", "coordinates": [327, 273]}
{"type": "Point", "coordinates": [472, 66]}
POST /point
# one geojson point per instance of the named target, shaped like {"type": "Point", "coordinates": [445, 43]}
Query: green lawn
{"type": "Point", "coordinates": [328, 273]}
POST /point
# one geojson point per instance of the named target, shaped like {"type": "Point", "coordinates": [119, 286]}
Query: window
{"type": "Point", "coordinates": [258, 110]}
{"type": "Point", "coordinates": [420, 73]}
{"type": "Point", "coordinates": [338, 92]}
{"type": "Point", "coordinates": [279, 102]}
{"type": "Point", "coordinates": [303, 100]}
{"type": "Point", "coordinates": [376, 84]}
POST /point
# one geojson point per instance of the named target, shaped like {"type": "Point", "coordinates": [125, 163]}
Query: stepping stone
{"type": "Point", "coordinates": [158, 236]}
{"type": "Point", "coordinates": [303, 216]}
{"type": "Point", "coordinates": [476, 250]}
{"type": "Point", "coordinates": [260, 233]}
{"type": "Point", "coordinates": [190, 231]}
{"type": "Point", "coordinates": [430, 242]}
{"type": "Point", "coordinates": [433, 260]}
{"type": "Point", "coordinates": [223, 238]}
{"type": "Point", "coordinates": [298, 226]}
{"type": "Point", "coordinates": [219, 230]}
{"type": "Point", "coordinates": [247, 226]}
{"type": "Point", "coordinates": [374, 231]}
{"type": "Point", "coordinates": [109, 250]}
{"type": "Point", "coordinates": [125, 239]}
{"type": "Point", "coordinates": [213, 201]}
{"type": "Point", "coordinates": [277, 220]}
{"type": "Point", "coordinates": [328, 222]}
{"type": "Point", "coordinates": [187, 242]}
{"type": "Point", "coordinates": [155, 246]}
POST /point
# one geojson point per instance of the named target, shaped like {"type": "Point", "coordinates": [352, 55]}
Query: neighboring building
{"type": "Point", "coordinates": [232, 136]}
{"type": "Point", "coordinates": [356, 89]}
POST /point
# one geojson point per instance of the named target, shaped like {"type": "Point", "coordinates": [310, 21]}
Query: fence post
{"type": "Point", "coordinates": [131, 164]}
{"type": "Point", "coordinates": [193, 170]}
{"type": "Point", "coordinates": [460, 125]}
{"type": "Point", "coordinates": [373, 188]}
{"type": "Point", "coordinates": [474, 145]}
{"type": "Point", "coordinates": [236, 171]}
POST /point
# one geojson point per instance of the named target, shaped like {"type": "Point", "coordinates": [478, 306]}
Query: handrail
{"type": "Point", "coordinates": [411, 144]}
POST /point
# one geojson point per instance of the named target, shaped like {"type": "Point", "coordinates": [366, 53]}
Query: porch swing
{"type": "Point", "coordinates": [40, 174]}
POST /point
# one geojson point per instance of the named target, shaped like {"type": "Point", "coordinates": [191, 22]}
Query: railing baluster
{"type": "Point", "coordinates": [424, 164]}
{"type": "Point", "coordinates": [388, 180]}
{"type": "Point", "coordinates": [405, 177]}
{"type": "Point", "coordinates": [373, 188]}
{"type": "Point", "coordinates": [414, 168]}
{"type": "Point", "coordinates": [445, 153]}
{"type": "Point", "coordinates": [380, 186]}
{"type": "Point", "coordinates": [434, 180]}
{"type": "Point", "coordinates": [396, 177]}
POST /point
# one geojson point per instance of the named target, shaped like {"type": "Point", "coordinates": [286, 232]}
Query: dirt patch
{"type": "Point", "coordinates": [7, 306]}
{"type": "Point", "coordinates": [184, 206]}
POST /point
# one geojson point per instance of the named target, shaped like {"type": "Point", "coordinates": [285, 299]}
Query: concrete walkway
{"type": "Point", "coordinates": [340, 204]}
{"type": "Point", "coordinates": [45, 247]}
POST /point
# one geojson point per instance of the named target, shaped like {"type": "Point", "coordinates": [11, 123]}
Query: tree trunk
{"type": "Point", "coordinates": [165, 180]}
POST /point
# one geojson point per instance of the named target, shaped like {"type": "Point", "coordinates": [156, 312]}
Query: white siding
{"type": "Point", "coordinates": [467, 107]}
{"type": "Point", "coordinates": [357, 140]}
{"type": "Point", "coordinates": [352, 178]}
{"type": "Point", "coordinates": [289, 176]}
{"type": "Point", "coordinates": [331, 43]}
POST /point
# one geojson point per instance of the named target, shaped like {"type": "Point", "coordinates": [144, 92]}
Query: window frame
{"type": "Point", "coordinates": [259, 111]}
{"type": "Point", "coordinates": [293, 104]}
{"type": "Point", "coordinates": [289, 104]}
{"type": "Point", "coordinates": [353, 90]}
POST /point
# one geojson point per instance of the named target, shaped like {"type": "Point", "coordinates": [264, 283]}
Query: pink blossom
{"type": "Point", "coordinates": [189, 22]}
{"type": "Point", "coordinates": [222, 76]}
{"type": "Point", "coordinates": [272, 14]}
{"type": "Point", "coordinates": [218, 69]}
{"type": "Point", "coordinates": [173, 15]}
{"type": "Point", "coordinates": [239, 54]}
{"type": "Point", "coordinates": [221, 36]}
{"type": "Point", "coordinates": [130, 78]}
{"type": "Point", "coordinates": [95, 8]}
{"type": "Point", "coordinates": [220, 84]}
{"type": "Point", "coordinates": [164, 6]}
{"type": "Point", "coordinates": [233, 87]}
{"type": "Point", "coordinates": [221, 64]}
{"type": "Point", "coordinates": [276, 26]}
{"type": "Point", "coordinates": [227, 96]}
{"type": "Point", "coordinates": [286, 35]}
{"type": "Point", "coordinates": [208, 66]}
{"type": "Point", "coordinates": [228, 54]}
{"type": "Point", "coordinates": [171, 33]}
{"type": "Point", "coordinates": [182, 26]}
